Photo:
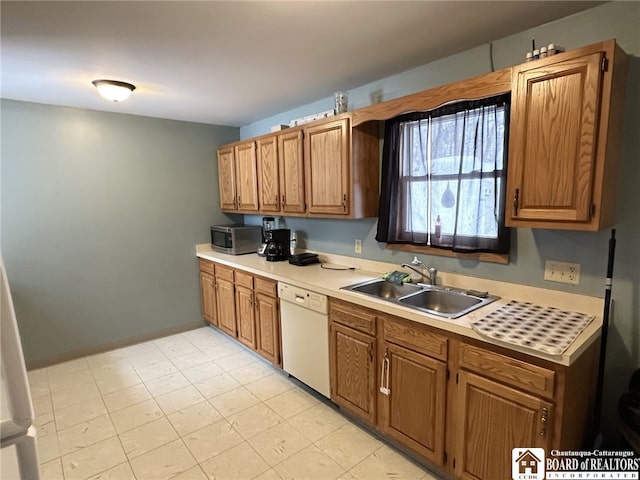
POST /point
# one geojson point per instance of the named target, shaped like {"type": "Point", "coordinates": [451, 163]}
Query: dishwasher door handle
{"type": "Point", "coordinates": [299, 299]}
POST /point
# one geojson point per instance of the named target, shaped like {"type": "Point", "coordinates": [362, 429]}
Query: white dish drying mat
{"type": "Point", "coordinates": [544, 329]}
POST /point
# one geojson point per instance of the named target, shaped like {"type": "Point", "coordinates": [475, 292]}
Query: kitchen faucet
{"type": "Point", "coordinates": [433, 272]}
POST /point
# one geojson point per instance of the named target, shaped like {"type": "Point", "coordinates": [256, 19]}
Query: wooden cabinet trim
{"type": "Point", "coordinates": [243, 279]}
{"type": "Point", "coordinates": [223, 272]}
{"type": "Point", "coordinates": [493, 83]}
{"type": "Point", "coordinates": [358, 318]}
{"type": "Point", "coordinates": [206, 266]}
{"type": "Point", "coordinates": [404, 334]}
{"type": "Point", "coordinates": [265, 286]}
{"type": "Point", "coordinates": [508, 370]}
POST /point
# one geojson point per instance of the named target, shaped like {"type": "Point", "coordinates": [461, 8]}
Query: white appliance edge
{"type": "Point", "coordinates": [18, 452]}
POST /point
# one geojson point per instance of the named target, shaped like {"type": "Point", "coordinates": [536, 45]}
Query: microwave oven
{"type": "Point", "coordinates": [236, 239]}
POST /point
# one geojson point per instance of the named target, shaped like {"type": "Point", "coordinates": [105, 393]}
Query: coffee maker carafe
{"type": "Point", "coordinates": [268, 224]}
{"type": "Point", "coordinates": [278, 244]}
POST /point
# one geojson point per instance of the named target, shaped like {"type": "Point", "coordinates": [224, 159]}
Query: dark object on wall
{"type": "Point", "coordinates": [603, 340]}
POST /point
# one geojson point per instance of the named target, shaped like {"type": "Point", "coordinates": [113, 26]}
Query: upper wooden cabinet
{"type": "Point", "coordinates": [237, 175]}
{"type": "Point", "coordinates": [323, 169]}
{"type": "Point", "coordinates": [326, 148]}
{"type": "Point", "coordinates": [227, 178]}
{"type": "Point", "coordinates": [268, 177]}
{"type": "Point", "coordinates": [291, 164]}
{"type": "Point", "coordinates": [281, 173]}
{"type": "Point", "coordinates": [565, 133]}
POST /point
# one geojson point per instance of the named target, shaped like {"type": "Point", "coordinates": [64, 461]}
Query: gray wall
{"type": "Point", "coordinates": [531, 248]}
{"type": "Point", "coordinates": [100, 216]}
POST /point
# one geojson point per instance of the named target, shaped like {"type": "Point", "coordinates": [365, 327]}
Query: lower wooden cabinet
{"type": "Point", "coordinates": [414, 408]}
{"type": "Point", "coordinates": [353, 371]}
{"type": "Point", "coordinates": [208, 292]}
{"type": "Point", "coordinates": [226, 306]}
{"type": "Point", "coordinates": [492, 420]}
{"type": "Point", "coordinates": [245, 316]}
{"type": "Point", "coordinates": [452, 402]}
{"type": "Point", "coordinates": [208, 298]}
{"type": "Point", "coordinates": [268, 327]}
{"type": "Point", "coordinates": [244, 306]}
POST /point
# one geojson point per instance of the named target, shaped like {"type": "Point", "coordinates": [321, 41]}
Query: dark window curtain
{"type": "Point", "coordinates": [444, 177]}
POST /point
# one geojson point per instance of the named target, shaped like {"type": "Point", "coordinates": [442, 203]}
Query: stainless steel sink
{"type": "Point", "coordinates": [383, 289]}
{"type": "Point", "coordinates": [435, 300]}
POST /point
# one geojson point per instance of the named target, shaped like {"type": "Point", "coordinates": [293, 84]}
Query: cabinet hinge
{"type": "Point", "coordinates": [604, 66]}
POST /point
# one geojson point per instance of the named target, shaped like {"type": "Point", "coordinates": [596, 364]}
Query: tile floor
{"type": "Point", "coordinates": [196, 406]}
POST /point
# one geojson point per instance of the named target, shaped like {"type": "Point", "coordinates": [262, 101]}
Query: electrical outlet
{"type": "Point", "coordinates": [358, 245]}
{"type": "Point", "coordinates": [562, 272]}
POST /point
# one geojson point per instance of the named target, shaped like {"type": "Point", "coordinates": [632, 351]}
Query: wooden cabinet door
{"type": "Point", "coordinates": [267, 327]}
{"type": "Point", "coordinates": [226, 304]}
{"type": "Point", "coordinates": [268, 176]}
{"type": "Point", "coordinates": [245, 316]}
{"type": "Point", "coordinates": [352, 364]}
{"type": "Point", "coordinates": [291, 172]}
{"type": "Point", "coordinates": [553, 141]}
{"type": "Point", "coordinates": [415, 404]}
{"type": "Point", "coordinates": [227, 179]}
{"type": "Point", "coordinates": [326, 150]}
{"type": "Point", "coordinates": [492, 419]}
{"type": "Point", "coordinates": [208, 298]}
{"type": "Point", "coordinates": [246, 177]}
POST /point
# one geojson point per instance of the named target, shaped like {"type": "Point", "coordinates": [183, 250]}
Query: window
{"type": "Point", "coordinates": [444, 177]}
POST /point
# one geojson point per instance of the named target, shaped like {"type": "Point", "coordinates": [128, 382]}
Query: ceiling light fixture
{"type": "Point", "coordinates": [114, 90]}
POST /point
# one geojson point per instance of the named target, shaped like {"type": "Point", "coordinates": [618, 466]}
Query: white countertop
{"type": "Point", "coordinates": [329, 282]}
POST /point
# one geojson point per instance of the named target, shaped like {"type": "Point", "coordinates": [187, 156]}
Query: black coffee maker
{"type": "Point", "coordinates": [268, 224]}
{"type": "Point", "coordinates": [277, 244]}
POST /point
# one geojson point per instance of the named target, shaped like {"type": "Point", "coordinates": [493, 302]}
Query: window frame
{"type": "Point", "coordinates": [398, 225]}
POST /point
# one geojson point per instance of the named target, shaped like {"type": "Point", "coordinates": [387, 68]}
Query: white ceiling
{"type": "Point", "coordinates": [235, 62]}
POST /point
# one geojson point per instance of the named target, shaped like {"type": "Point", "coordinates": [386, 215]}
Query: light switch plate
{"type": "Point", "coordinates": [563, 272]}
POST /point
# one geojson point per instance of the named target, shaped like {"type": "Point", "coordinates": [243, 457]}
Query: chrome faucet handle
{"type": "Point", "coordinates": [433, 275]}
{"type": "Point", "coordinates": [417, 261]}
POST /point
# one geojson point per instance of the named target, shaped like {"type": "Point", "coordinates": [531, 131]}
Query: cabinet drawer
{"type": "Point", "coordinates": [508, 370]}
{"type": "Point", "coordinates": [244, 279]}
{"type": "Point", "coordinates": [266, 286]}
{"type": "Point", "coordinates": [224, 273]}
{"type": "Point", "coordinates": [358, 318]}
{"type": "Point", "coordinates": [207, 266]}
{"type": "Point", "coordinates": [415, 338]}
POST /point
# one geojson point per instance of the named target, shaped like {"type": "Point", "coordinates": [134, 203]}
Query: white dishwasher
{"type": "Point", "coordinates": [305, 336]}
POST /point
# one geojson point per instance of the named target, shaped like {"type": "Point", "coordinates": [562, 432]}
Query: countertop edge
{"type": "Point", "coordinates": [328, 282]}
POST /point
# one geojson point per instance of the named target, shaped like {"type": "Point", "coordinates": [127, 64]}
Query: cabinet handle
{"type": "Point", "coordinates": [371, 352]}
{"type": "Point", "coordinates": [543, 418]}
{"type": "Point", "coordinates": [277, 203]}
{"type": "Point", "coordinates": [344, 202]}
{"type": "Point", "coordinates": [384, 374]}
{"type": "Point", "coordinates": [516, 202]}
{"type": "Point", "coordinates": [238, 201]}
{"type": "Point", "coordinates": [283, 203]}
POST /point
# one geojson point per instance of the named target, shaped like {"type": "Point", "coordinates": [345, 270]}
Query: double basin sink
{"type": "Point", "coordinates": [436, 300]}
